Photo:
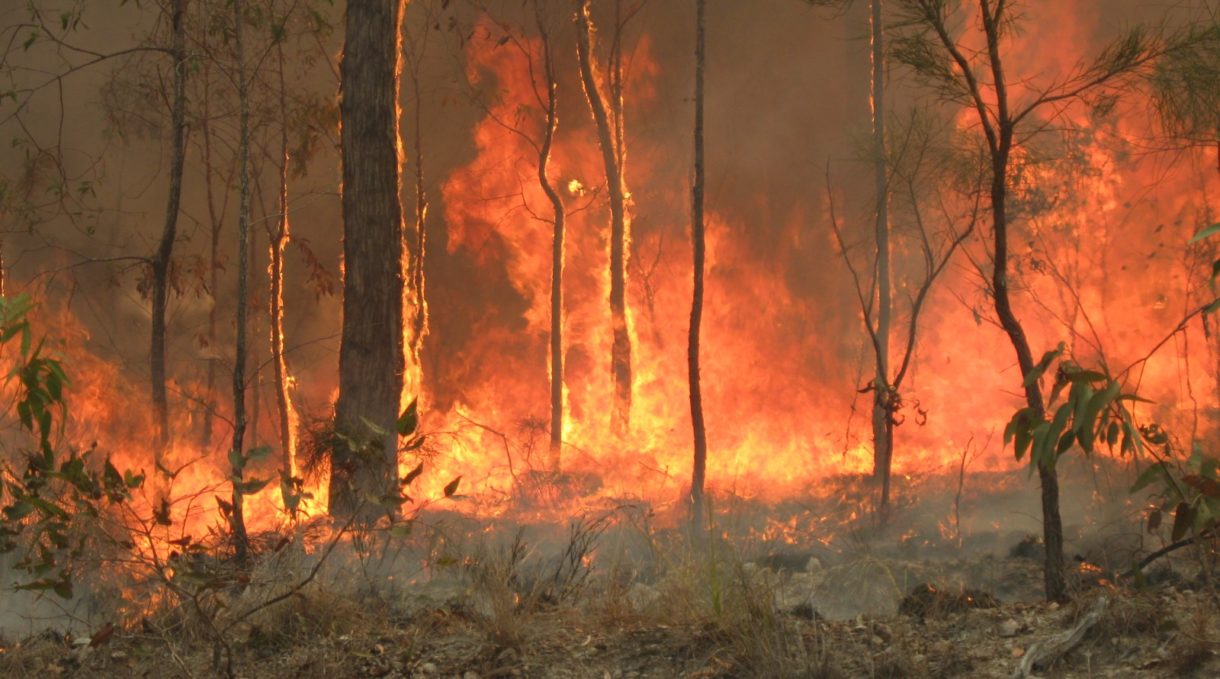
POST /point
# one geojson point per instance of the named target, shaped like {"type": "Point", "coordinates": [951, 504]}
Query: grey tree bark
{"type": "Point", "coordinates": [160, 261]}
{"type": "Point", "coordinates": [237, 522]}
{"type": "Point", "coordinates": [698, 247]}
{"type": "Point", "coordinates": [883, 415]}
{"type": "Point", "coordinates": [557, 246]}
{"type": "Point", "coordinates": [371, 348]}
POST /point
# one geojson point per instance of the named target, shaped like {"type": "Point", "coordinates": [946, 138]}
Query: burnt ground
{"type": "Point", "coordinates": [789, 590]}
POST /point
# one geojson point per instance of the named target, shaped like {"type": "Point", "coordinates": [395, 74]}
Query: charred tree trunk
{"type": "Point", "coordinates": [371, 350]}
{"type": "Point", "coordinates": [883, 430]}
{"type": "Point", "coordinates": [696, 309]}
{"type": "Point", "coordinates": [160, 262]}
{"type": "Point", "coordinates": [237, 523]}
{"type": "Point", "coordinates": [544, 157]}
{"type": "Point", "coordinates": [277, 240]}
{"type": "Point", "coordinates": [620, 353]}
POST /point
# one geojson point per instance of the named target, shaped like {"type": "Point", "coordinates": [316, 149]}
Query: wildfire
{"type": "Point", "coordinates": [781, 365]}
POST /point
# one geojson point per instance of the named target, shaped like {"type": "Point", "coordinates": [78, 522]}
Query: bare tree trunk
{"type": "Point", "coordinates": [696, 309]}
{"type": "Point", "coordinates": [883, 430]}
{"type": "Point", "coordinates": [371, 349]}
{"type": "Point", "coordinates": [620, 353]}
{"type": "Point", "coordinates": [277, 239]}
{"type": "Point", "coordinates": [1001, 147]}
{"type": "Point", "coordinates": [215, 223]}
{"type": "Point", "coordinates": [544, 157]}
{"type": "Point", "coordinates": [161, 259]}
{"type": "Point", "coordinates": [241, 541]}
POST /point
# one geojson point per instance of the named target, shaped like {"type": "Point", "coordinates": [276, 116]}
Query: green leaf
{"type": "Point", "coordinates": [408, 421]}
{"type": "Point", "coordinates": [1152, 473]}
{"type": "Point", "coordinates": [414, 444]}
{"type": "Point", "coordinates": [1061, 418]}
{"type": "Point", "coordinates": [1099, 402]}
{"type": "Point", "coordinates": [112, 475]}
{"type": "Point", "coordinates": [1042, 440]}
{"type": "Point", "coordinates": [1206, 232]}
{"type": "Point", "coordinates": [452, 487]}
{"type": "Point", "coordinates": [413, 474]}
{"type": "Point", "coordinates": [1183, 520]}
{"type": "Point", "coordinates": [18, 510]}
{"type": "Point", "coordinates": [1076, 376]}
{"type": "Point", "coordinates": [259, 453]}
{"type": "Point", "coordinates": [1065, 442]}
{"type": "Point", "coordinates": [250, 487]}
{"type": "Point", "coordinates": [1017, 431]}
{"type": "Point", "coordinates": [376, 429]}
{"type": "Point", "coordinates": [47, 508]}
{"type": "Point", "coordinates": [133, 481]}
{"type": "Point", "coordinates": [1036, 373]}
{"type": "Point", "coordinates": [237, 461]}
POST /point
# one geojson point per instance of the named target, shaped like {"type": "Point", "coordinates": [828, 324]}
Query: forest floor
{"type": "Point", "coordinates": [785, 590]}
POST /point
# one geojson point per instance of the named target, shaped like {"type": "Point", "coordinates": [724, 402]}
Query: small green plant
{"type": "Point", "coordinates": [1097, 411]}
{"type": "Point", "coordinates": [1094, 411]}
{"type": "Point", "coordinates": [42, 504]}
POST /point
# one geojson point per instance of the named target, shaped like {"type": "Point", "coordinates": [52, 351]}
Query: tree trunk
{"type": "Point", "coordinates": [417, 286]}
{"type": "Point", "coordinates": [161, 259]}
{"type": "Point", "coordinates": [237, 523]}
{"type": "Point", "coordinates": [1052, 523]}
{"type": "Point", "coordinates": [215, 223]}
{"type": "Point", "coordinates": [277, 240]}
{"type": "Point", "coordinates": [544, 157]}
{"type": "Point", "coordinates": [882, 398]}
{"type": "Point", "coordinates": [1001, 147]}
{"type": "Point", "coordinates": [696, 309]}
{"type": "Point", "coordinates": [620, 353]}
{"type": "Point", "coordinates": [371, 349]}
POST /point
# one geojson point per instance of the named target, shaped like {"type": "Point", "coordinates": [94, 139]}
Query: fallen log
{"type": "Point", "coordinates": [1042, 654]}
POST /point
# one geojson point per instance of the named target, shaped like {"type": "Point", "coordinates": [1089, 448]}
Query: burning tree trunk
{"type": "Point", "coordinates": [237, 521]}
{"type": "Point", "coordinates": [365, 456]}
{"type": "Point", "coordinates": [544, 156]}
{"type": "Point", "coordinates": [620, 353]}
{"type": "Point", "coordinates": [161, 258]}
{"type": "Point", "coordinates": [418, 242]}
{"type": "Point", "coordinates": [696, 309]}
{"type": "Point", "coordinates": [883, 398]}
{"type": "Point", "coordinates": [277, 239]}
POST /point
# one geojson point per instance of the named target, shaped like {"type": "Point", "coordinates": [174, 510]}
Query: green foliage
{"type": "Point", "coordinates": [1192, 494]}
{"type": "Point", "coordinates": [1204, 234]}
{"type": "Point", "coordinates": [1094, 412]}
{"type": "Point", "coordinates": [42, 506]}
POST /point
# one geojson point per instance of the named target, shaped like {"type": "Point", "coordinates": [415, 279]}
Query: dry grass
{"type": "Point", "coordinates": [1194, 646]}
